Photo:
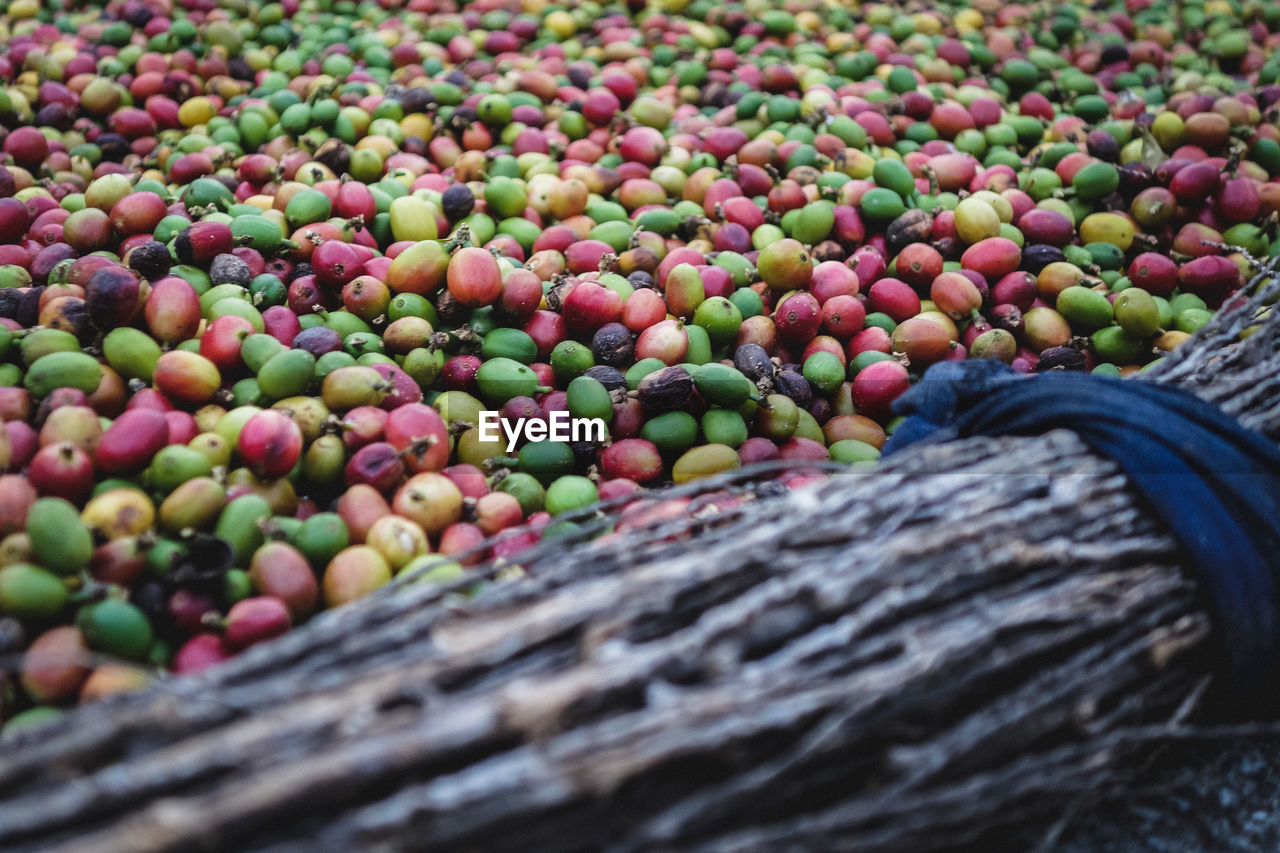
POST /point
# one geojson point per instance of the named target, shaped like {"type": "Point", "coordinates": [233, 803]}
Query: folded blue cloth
{"type": "Point", "coordinates": [1215, 484]}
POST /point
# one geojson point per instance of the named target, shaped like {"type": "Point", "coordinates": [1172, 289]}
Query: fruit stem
{"type": "Point", "coordinates": [1254, 261]}
{"type": "Point", "coordinates": [461, 238]}
{"type": "Point", "coordinates": [929, 173]}
{"type": "Point", "coordinates": [1233, 158]}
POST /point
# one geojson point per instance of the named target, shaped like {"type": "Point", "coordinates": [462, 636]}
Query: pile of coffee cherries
{"type": "Point", "coordinates": [266, 270]}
